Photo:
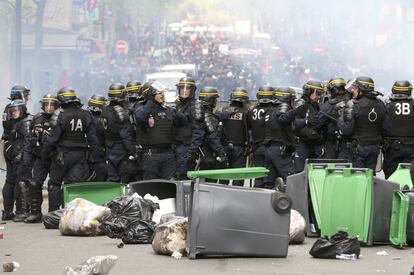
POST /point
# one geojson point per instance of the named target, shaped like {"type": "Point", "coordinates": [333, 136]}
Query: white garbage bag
{"type": "Point", "coordinates": [83, 218]}
{"type": "Point", "coordinates": [96, 265]}
{"type": "Point", "coordinates": [170, 237]}
{"type": "Point", "coordinates": [297, 227]}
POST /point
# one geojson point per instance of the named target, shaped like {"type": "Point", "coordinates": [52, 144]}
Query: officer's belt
{"type": "Point", "coordinates": [156, 150]}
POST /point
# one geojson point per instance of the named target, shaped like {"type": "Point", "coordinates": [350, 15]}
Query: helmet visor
{"type": "Point", "coordinates": [14, 112]}
{"type": "Point", "coordinates": [49, 106]}
{"type": "Point", "coordinates": [185, 91]}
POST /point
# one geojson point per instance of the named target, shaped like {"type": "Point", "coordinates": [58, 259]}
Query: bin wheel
{"type": "Point", "coordinates": [281, 203]}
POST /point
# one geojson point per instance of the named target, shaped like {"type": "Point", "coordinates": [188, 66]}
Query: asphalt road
{"type": "Point", "coordinates": [42, 251]}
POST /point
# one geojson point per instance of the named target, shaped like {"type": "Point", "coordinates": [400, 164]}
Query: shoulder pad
{"type": "Point", "coordinates": [299, 102]}
{"type": "Point", "coordinates": [120, 113]}
{"type": "Point", "coordinates": [55, 117]}
{"type": "Point", "coordinates": [197, 110]}
{"type": "Point", "coordinates": [283, 108]}
{"type": "Point", "coordinates": [211, 122]}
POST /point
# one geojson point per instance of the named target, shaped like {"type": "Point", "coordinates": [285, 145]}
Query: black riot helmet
{"type": "Point", "coordinates": [401, 89]}
{"type": "Point", "coordinates": [151, 88]}
{"type": "Point", "coordinates": [133, 89]}
{"type": "Point", "coordinates": [336, 86]}
{"type": "Point", "coordinates": [239, 94]}
{"type": "Point", "coordinates": [183, 83]}
{"type": "Point", "coordinates": [19, 91]}
{"type": "Point", "coordinates": [265, 94]}
{"type": "Point", "coordinates": [96, 103]}
{"type": "Point", "coordinates": [67, 95]}
{"type": "Point", "coordinates": [49, 103]}
{"type": "Point", "coordinates": [365, 84]}
{"type": "Point", "coordinates": [16, 109]}
{"type": "Point", "coordinates": [313, 86]}
{"type": "Point", "coordinates": [209, 96]}
{"type": "Point", "coordinates": [116, 92]}
{"type": "Point", "coordinates": [285, 94]}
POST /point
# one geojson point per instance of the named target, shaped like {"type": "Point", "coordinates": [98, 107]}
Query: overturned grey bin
{"type": "Point", "coordinates": [165, 189]}
{"type": "Point", "coordinates": [237, 221]}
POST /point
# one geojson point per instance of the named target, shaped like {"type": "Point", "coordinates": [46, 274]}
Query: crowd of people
{"type": "Point", "coordinates": [132, 135]}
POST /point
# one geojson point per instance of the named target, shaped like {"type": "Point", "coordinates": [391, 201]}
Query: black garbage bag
{"type": "Point", "coordinates": [139, 232]}
{"type": "Point", "coordinates": [339, 244]}
{"type": "Point", "coordinates": [132, 208]}
{"type": "Point", "coordinates": [51, 220]}
{"type": "Point", "coordinates": [125, 213]}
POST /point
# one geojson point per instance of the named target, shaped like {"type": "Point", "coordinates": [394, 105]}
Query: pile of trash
{"type": "Point", "coordinates": [130, 220]}
{"type": "Point", "coordinates": [83, 218]}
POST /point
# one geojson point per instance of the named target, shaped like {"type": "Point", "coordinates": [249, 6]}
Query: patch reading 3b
{"type": "Point", "coordinates": [402, 108]}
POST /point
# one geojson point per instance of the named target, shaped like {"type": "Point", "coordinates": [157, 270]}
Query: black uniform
{"type": "Point", "coordinates": [73, 131]}
{"type": "Point", "coordinates": [399, 145]}
{"type": "Point", "coordinates": [309, 139]}
{"type": "Point", "coordinates": [119, 142]}
{"type": "Point", "coordinates": [235, 135]}
{"type": "Point", "coordinates": [40, 129]}
{"type": "Point", "coordinates": [205, 139]}
{"type": "Point", "coordinates": [328, 115]}
{"type": "Point", "coordinates": [156, 124]}
{"type": "Point", "coordinates": [257, 136]}
{"type": "Point", "coordinates": [365, 121]}
{"type": "Point", "coordinates": [182, 136]}
{"type": "Point", "coordinates": [279, 143]}
{"type": "Point", "coordinates": [18, 173]}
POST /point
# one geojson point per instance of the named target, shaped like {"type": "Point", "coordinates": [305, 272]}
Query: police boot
{"type": "Point", "coordinates": [7, 216]}
{"type": "Point", "coordinates": [22, 202]}
{"type": "Point", "coordinates": [8, 201]}
{"type": "Point", "coordinates": [55, 197]}
{"type": "Point", "coordinates": [35, 204]}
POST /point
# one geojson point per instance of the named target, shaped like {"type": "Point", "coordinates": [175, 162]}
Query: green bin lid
{"type": "Point", "coordinates": [230, 174]}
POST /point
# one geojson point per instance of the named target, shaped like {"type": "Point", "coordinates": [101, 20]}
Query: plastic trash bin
{"type": "Point", "coordinates": [297, 187]}
{"type": "Point", "coordinates": [165, 189]}
{"type": "Point", "coordinates": [410, 218]}
{"type": "Point", "coordinates": [347, 202]}
{"type": "Point", "coordinates": [238, 221]}
{"type": "Point", "coordinates": [383, 191]}
{"type": "Point", "coordinates": [398, 227]}
{"type": "Point", "coordinates": [402, 176]}
{"type": "Point", "coordinates": [96, 192]}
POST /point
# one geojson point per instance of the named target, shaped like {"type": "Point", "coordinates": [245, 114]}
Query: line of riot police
{"type": "Point", "coordinates": [134, 135]}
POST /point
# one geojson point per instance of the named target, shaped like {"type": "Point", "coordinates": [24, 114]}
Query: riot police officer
{"type": "Point", "coordinates": [205, 137]}
{"type": "Point", "coordinates": [186, 88]}
{"type": "Point", "coordinates": [40, 129]}
{"type": "Point", "coordinates": [133, 96]}
{"type": "Point", "coordinates": [399, 144]}
{"type": "Point", "coordinates": [96, 104]}
{"type": "Point", "coordinates": [279, 138]}
{"type": "Point", "coordinates": [265, 97]}
{"type": "Point", "coordinates": [364, 121]}
{"type": "Point", "coordinates": [309, 139]}
{"type": "Point", "coordinates": [119, 139]}
{"type": "Point", "coordinates": [18, 173]}
{"type": "Point", "coordinates": [72, 135]}
{"type": "Point", "coordinates": [156, 122]}
{"type": "Point", "coordinates": [18, 91]}
{"type": "Point", "coordinates": [234, 129]}
{"type": "Point", "coordinates": [329, 114]}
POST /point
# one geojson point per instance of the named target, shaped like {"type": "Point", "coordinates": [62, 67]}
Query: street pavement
{"type": "Point", "coordinates": [42, 251]}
